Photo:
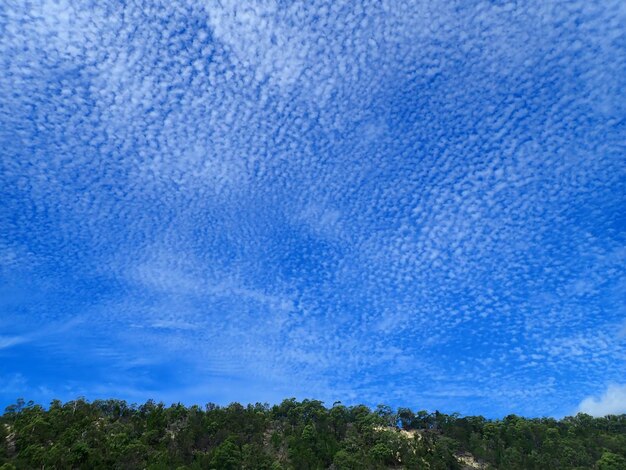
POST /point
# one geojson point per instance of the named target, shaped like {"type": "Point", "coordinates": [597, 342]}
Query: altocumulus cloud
{"type": "Point", "coordinates": [417, 202]}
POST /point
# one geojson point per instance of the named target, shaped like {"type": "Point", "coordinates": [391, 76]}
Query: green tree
{"type": "Point", "coordinates": [227, 456]}
{"type": "Point", "coordinates": [611, 461]}
{"type": "Point", "coordinates": [381, 454]}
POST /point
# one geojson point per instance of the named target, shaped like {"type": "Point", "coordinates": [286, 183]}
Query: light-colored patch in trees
{"type": "Point", "coordinates": [469, 461]}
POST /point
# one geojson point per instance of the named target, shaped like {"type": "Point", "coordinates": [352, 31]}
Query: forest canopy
{"type": "Point", "coordinates": [106, 434]}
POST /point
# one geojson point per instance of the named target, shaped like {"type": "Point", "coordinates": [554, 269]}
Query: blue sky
{"type": "Point", "coordinates": [412, 203]}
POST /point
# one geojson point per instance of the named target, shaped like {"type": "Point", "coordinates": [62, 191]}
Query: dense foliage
{"type": "Point", "coordinates": [108, 434]}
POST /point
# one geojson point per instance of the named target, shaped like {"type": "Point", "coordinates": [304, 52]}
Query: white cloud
{"type": "Point", "coordinates": [612, 402]}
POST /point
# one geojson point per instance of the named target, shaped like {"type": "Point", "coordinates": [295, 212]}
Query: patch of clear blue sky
{"type": "Point", "coordinates": [412, 203]}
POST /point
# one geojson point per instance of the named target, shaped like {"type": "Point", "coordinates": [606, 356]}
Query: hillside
{"type": "Point", "coordinates": [106, 434]}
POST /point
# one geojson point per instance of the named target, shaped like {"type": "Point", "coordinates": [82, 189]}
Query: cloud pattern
{"type": "Point", "coordinates": [418, 204]}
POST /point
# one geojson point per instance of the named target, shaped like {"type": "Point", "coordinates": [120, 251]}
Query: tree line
{"type": "Point", "coordinates": [112, 434]}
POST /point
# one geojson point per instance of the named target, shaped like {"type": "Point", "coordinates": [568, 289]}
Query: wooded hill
{"type": "Point", "coordinates": [112, 434]}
